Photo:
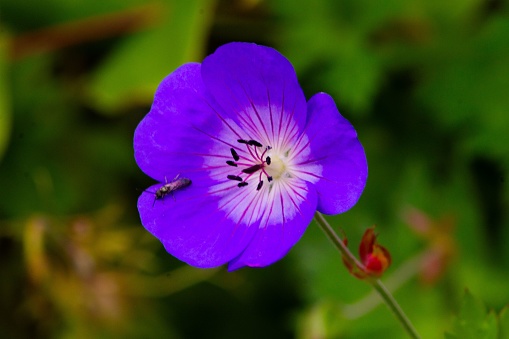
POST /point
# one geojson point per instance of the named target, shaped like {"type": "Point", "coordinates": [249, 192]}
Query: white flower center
{"type": "Point", "coordinates": [278, 167]}
{"type": "Point", "coordinates": [258, 180]}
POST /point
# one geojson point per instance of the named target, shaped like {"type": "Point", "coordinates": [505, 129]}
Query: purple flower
{"type": "Point", "coordinates": [260, 160]}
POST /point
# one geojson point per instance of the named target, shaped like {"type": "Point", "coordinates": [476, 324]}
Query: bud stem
{"type": "Point", "coordinates": [376, 283]}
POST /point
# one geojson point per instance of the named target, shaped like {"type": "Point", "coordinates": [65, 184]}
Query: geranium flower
{"type": "Point", "coordinates": [259, 159]}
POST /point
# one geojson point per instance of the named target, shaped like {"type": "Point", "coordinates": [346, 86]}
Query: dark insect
{"type": "Point", "coordinates": [170, 187]}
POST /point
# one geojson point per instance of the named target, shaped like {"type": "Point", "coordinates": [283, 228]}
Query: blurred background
{"type": "Point", "coordinates": [425, 83]}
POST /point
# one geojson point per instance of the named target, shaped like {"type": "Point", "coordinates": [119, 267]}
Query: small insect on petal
{"type": "Point", "coordinates": [170, 187]}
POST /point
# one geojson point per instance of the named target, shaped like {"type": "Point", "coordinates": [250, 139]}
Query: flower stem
{"type": "Point", "coordinates": [376, 283]}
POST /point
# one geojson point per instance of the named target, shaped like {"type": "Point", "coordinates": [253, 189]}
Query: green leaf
{"type": "Point", "coordinates": [133, 71]}
{"type": "Point", "coordinates": [473, 321]}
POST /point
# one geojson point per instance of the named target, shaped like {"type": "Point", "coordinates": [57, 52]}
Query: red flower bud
{"type": "Point", "coordinates": [375, 259]}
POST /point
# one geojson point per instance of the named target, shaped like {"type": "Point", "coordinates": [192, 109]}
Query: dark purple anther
{"type": "Point", "coordinates": [254, 143]}
{"type": "Point", "coordinates": [252, 169]}
{"type": "Point", "coordinates": [234, 154]}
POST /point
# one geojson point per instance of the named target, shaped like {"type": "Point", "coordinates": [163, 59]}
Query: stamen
{"type": "Point", "coordinates": [258, 158]}
{"type": "Point", "coordinates": [254, 143]}
{"type": "Point", "coordinates": [234, 154]}
{"type": "Point", "coordinates": [252, 169]}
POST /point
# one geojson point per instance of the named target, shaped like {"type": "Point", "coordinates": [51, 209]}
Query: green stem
{"type": "Point", "coordinates": [376, 283]}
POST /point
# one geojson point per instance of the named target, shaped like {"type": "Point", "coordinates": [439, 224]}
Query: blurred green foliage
{"type": "Point", "coordinates": [473, 322]}
{"type": "Point", "coordinates": [424, 82]}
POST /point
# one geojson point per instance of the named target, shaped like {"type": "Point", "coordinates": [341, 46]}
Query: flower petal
{"type": "Point", "coordinates": [192, 228]}
{"type": "Point", "coordinates": [282, 225]}
{"type": "Point", "coordinates": [170, 139]}
{"type": "Point", "coordinates": [367, 243]}
{"type": "Point", "coordinates": [337, 150]}
{"type": "Point", "coordinates": [258, 88]}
